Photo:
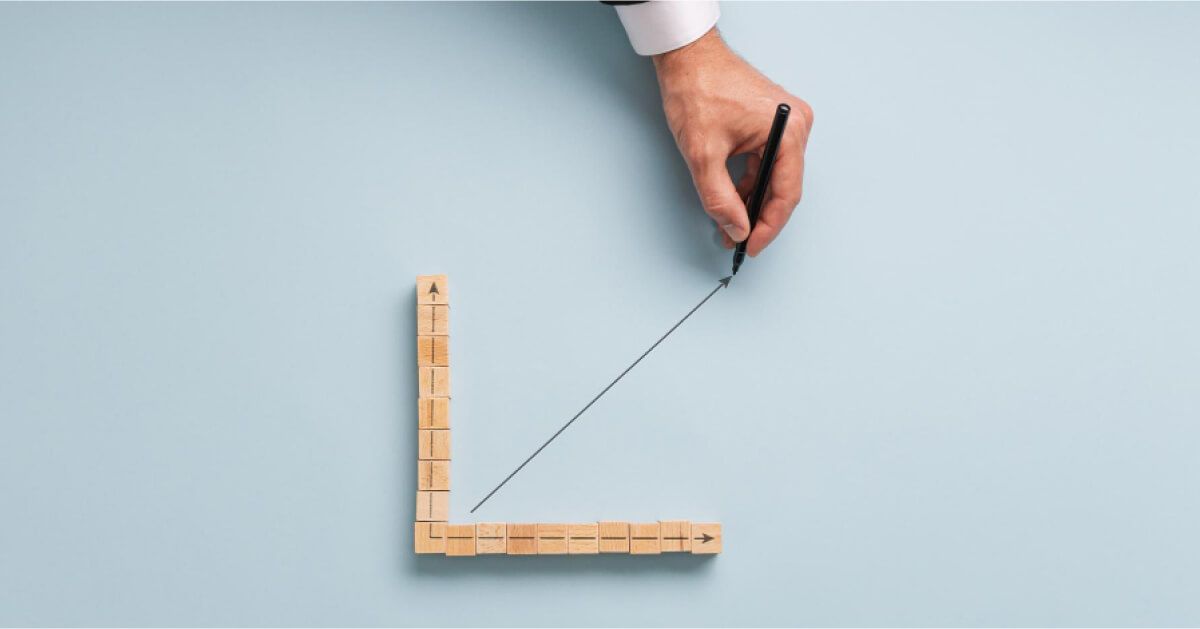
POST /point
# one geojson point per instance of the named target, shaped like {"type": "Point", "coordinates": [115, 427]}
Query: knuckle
{"type": "Point", "coordinates": [807, 111]}
{"type": "Point", "coordinates": [697, 148]}
{"type": "Point", "coordinates": [696, 153]}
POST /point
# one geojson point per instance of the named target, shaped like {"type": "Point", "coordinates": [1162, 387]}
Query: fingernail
{"type": "Point", "coordinates": [734, 232]}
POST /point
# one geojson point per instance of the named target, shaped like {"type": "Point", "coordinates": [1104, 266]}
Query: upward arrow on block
{"type": "Point", "coordinates": [433, 289]}
{"type": "Point", "coordinates": [721, 283]}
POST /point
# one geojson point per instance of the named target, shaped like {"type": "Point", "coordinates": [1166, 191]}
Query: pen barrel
{"type": "Point", "coordinates": [762, 181]}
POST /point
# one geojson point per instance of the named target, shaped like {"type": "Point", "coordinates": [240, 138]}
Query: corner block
{"type": "Point", "coordinates": [429, 537]}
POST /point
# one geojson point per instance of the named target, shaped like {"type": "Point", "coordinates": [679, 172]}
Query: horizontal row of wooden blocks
{"type": "Point", "coordinates": [490, 538]}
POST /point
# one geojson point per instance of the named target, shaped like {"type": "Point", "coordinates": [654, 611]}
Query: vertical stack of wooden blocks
{"type": "Point", "coordinates": [433, 534]}
{"type": "Point", "coordinates": [433, 412]}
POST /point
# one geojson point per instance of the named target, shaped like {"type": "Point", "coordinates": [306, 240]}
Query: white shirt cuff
{"type": "Point", "coordinates": [662, 26]}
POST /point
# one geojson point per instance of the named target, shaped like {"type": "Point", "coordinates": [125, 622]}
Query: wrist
{"type": "Point", "coordinates": [708, 45]}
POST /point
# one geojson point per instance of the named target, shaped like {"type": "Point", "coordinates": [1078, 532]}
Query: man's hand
{"type": "Point", "coordinates": [718, 106]}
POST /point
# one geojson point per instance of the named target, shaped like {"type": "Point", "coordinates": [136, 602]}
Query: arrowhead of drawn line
{"type": "Point", "coordinates": [433, 289]}
{"type": "Point", "coordinates": [706, 538]}
{"type": "Point", "coordinates": [725, 281]}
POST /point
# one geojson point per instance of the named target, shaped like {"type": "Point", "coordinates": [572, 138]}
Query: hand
{"type": "Point", "coordinates": [718, 106]}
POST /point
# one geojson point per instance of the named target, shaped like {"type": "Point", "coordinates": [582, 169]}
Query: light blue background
{"type": "Point", "coordinates": [960, 389]}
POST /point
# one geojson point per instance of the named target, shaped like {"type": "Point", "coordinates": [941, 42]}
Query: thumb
{"type": "Point", "coordinates": [720, 198]}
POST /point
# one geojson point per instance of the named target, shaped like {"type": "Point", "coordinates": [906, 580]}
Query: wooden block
{"type": "Point", "coordinates": [433, 320]}
{"type": "Point", "coordinates": [675, 536]}
{"type": "Point", "coordinates": [522, 539]}
{"type": "Point", "coordinates": [552, 539]}
{"type": "Point", "coordinates": [433, 445]}
{"type": "Point", "coordinates": [614, 537]}
{"type": "Point", "coordinates": [582, 539]}
{"type": "Point", "coordinates": [643, 539]}
{"type": "Point", "coordinates": [432, 289]}
{"type": "Point", "coordinates": [433, 506]}
{"type": "Point", "coordinates": [706, 538]}
{"type": "Point", "coordinates": [490, 538]}
{"type": "Point", "coordinates": [433, 412]}
{"type": "Point", "coordinates": [433, 381]}
{"type": "Point", "coordinates": [433, 475]}
{"type": "Point", "coordinates": [433, 350]}
{"type": "Point", "coordinates": [460, 540]}
{"type": "Point", "coordinates": [429, 537]}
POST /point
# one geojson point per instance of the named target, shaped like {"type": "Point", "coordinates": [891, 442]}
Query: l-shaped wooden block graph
{"type": "Point", "coordinates": [432, 532]}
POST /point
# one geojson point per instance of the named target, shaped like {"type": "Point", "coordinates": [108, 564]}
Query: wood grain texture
{"type": "Point", "coordinates": [433, 381]}
{"type": "Point", "coordinates": [433, 445]}
{"type": "Point", "coordinates": [491, 538]}
{"type": "Point", "coordinates": [582, 539]}
{"type": "Point", "coordinates": [433, 412]}
{"type": "Point", "coordinates": [460, 540]}
{"type": "Point", "coordinates": [429, 537]}
{"type": "Point", "coordinates": [433, 289]}
{"type": "Point", "coordinates": [522, 539]}
{"type": "Point", "coordinates": [433, 506]}
{"type": "Point", "coordinates": [674, 536]}
{"type": "Point", "coordinates": [643, 539]}
{"type": "Point", "coordinates": [552, 539]}
{"type": "Point", "coordinates": [433, 351]}
{"type": "Point", "coordinates": [433, 320]}
{"type": "Point", "coordinates": [614, 537]}
{"type": "Point", "coordinates": [706, 538]}
{"type": "Point", "coordinates": [433, 475]}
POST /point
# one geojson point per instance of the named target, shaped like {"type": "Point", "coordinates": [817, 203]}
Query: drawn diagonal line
{"type": "Point", "coordinates": [720, 284]}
